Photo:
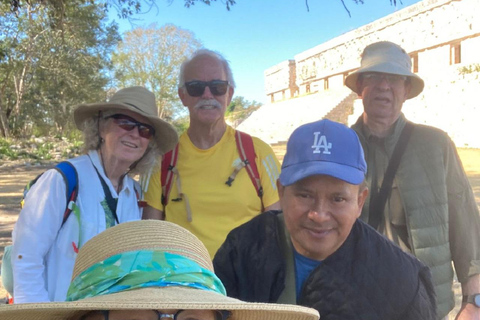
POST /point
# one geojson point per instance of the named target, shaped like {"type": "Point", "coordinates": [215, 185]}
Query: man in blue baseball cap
{"type": "Point", "coordinates": [315, 252]}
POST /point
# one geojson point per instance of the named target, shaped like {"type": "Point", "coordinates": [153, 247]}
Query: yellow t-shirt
{"type": "Point", "coordinates": [216, 208]}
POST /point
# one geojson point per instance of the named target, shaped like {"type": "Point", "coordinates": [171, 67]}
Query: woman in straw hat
{"type": "Point", "coordinates": [121, 137]}
{"type": "Point", "coordinates": [149, 269]}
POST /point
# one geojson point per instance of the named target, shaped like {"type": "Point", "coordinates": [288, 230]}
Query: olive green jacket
{"type": "Point", "coordinates": [443, 220]}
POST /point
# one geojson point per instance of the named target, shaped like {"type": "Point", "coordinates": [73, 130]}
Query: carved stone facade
{"type": "Point", "coordinates": [438, 34]}
{"type": "Point", "coordinates": [281, 84]}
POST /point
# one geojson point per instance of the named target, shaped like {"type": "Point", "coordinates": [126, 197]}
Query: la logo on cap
{"type": "Point", "coordinates": [320, 142]}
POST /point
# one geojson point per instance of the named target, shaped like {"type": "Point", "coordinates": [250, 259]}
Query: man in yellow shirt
{"type": "Point", "coordinates": [200, 200]}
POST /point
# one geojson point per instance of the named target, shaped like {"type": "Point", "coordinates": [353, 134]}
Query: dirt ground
{"type": "Point", "coordinates": [14, 176]}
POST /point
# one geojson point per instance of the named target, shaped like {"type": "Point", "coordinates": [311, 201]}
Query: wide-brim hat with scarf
{"type": "Point", "coordinates": [148, 265]}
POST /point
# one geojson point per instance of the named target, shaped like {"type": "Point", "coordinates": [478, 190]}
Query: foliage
{"type": "Point", "coordinates": [39, 148]}
{"type": "Point", "coordinates": [151, 57]}
{"type": "Point", "coordinates": [240, 109]}
{"type": "Point", "coordinates": [127, 8]}
{"type": "Point", "coordinates": [45, 70]}
{"type": "Point", "coordinates": [181, 124]}
{"type": "Point", "coordinates": [228, 3]}
{"type": "Point", "coordinates": [124, 8]}
{"type": "Point", "coordinates": [6, 152]}
{"type": "Point", "coordinates": [472, 68]}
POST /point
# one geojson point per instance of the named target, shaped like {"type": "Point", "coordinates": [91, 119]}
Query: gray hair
{"type": "Point", "coordinates": [209, 53]}
{"type": "Point", "coordinates": [91, 141]}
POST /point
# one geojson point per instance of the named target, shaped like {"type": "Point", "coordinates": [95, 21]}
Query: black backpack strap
{"type": "Point", "coordinates": [378, 200]}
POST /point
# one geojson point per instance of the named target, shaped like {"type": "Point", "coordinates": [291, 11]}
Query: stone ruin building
{"type": "Point", "coordinates": [441, 36]}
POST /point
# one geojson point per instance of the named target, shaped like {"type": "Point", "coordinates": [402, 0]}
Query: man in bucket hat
{"type": "Point", "coordinates": [315, 252]}
{"type": "Point", "coordinates": [149, 270]}
{"type": "Point", "coordinates": [425, 205]}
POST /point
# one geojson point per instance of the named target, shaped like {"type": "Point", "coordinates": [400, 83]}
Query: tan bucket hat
{"type": "Point", "coordinates": [136, 99]}
{"type": "Point", "coordinates": [169, 238]}
{"type": "Point", "coordinates": [386, 57]}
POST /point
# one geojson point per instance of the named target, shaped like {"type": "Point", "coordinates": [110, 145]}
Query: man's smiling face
{"type": "Point", "coordinates": [319, 213]}
{"type": "Point", "coordinates": [207, 109]}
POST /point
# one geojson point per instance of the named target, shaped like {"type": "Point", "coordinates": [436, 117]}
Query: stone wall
{"type": "Point", "coordinates": [282, 83]}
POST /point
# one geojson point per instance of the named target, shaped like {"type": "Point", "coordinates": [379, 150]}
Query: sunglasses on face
{"type": "Point", "coordinates": [217, 87]}
{"type": "Point", "coordinates": [128, 124]}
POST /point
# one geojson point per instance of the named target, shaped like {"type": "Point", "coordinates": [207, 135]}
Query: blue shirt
{"type": "Point", "coordinates": [303, 267]}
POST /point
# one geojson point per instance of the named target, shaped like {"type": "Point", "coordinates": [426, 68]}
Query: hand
{"type": "Point", "coordinates": [468, 312]}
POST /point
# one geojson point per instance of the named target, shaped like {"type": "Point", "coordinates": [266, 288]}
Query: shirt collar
{"type": "Point", "coordinates": [95, 158]}
{"type": "Point", "coordinates": [392, 136]}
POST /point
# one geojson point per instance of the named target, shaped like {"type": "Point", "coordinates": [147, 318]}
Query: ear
{"type": "Point", "coordinates": [231, 91]}
{"type": "Point", "coordinates": [280, 189]}
{"type": "Point", "coordinates": [362, 196]}
{"type": "Point", "coordinates": [408, 88]}
{"type": "Point", "coordinates": [102, 127]}
{"type": "Point", "coordinates": [359, 86]}
{"type": "Point", "coordinates": [182, 95]}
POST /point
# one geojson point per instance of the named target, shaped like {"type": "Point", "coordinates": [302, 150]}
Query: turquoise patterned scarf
{"type": "Point", "coordinates": [141, 269]}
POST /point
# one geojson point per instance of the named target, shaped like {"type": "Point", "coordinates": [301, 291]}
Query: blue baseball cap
{"type": "Point", "coordinates": [323, 147]}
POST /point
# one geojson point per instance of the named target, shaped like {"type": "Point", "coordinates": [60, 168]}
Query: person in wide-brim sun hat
{"type": "Point", "coordinates": [135, 99]}
{"type": "Point", "coordinates": [147, 267]}
{"type": "Point", "coordinates": [123, 137]}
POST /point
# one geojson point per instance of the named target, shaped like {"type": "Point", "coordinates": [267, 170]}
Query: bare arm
{"type": "Point", "coordinates": [468, 310]}
{"type": "Point", "coordinates": [152, 213]}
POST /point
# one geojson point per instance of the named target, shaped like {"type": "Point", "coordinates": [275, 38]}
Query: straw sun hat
{"type": "Point", "coordinates": [138, 100]}
{"type": "Point", "coordinates": [158, 236]}
{"type": "Point", "coordinates": [386, 57]}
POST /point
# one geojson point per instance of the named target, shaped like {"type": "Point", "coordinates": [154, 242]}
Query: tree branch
{"type": "Point", "coordinates": [345, 7]}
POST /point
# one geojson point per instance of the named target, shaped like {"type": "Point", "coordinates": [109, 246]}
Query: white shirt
{"type": "Point", "coordinates": [44, 253]}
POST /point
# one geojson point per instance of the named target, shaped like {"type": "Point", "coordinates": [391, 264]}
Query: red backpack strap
{"type": "Point", "coordinates": [169, 162]}
{"type": "Point", "coordinates": [247, 155]}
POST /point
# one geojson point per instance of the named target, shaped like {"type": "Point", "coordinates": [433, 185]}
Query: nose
{"type": "Point", "coordinates": [135, 132]}
{"type": "Point", "coordinates": [383, 84]}
{"type": "Point", "coordinates": [319, 212]}
{"type": "Point", "coordinates": [207, 94]}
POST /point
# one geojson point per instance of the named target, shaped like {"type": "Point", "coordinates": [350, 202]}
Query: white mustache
{"type": "Point", "coordinates": [208, 102]}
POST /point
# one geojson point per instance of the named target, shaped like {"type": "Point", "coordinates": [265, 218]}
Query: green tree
{"type": "Point", "coordinates": [44, 70]}
{"type": "Point", "coordinates": [240, 109]}
{"type": "Point", "coordinates": [151, 57]}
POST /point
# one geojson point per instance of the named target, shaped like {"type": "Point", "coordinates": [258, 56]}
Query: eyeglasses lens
{"type": "Point", "coordinates": [376, 78]}
{"type": "Point", "coordinates": [128, 124]}
{"type": "Point", "coordinates": [200, 315]}
{"type": "Point", "coordinates": [197, 88]}
{"type": "Point", "coordinates": [156, 315]}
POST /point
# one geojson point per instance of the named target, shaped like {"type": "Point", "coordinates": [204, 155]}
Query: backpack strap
{"type": "Point", "coordinates": [379, 199]}
{"type": "Point", "coordinates": [169, 162]}
{"type": "Point", "coordinates": [70, 176]}
{"type": "Point", "coordinates": [247, 154]}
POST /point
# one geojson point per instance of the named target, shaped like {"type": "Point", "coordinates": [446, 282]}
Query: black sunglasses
{"type": "Point", "coordinates": [217, 87]}
{"type": "Point", "coordinates": [128, 124]}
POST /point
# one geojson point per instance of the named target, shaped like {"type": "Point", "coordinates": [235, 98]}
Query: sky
{"type": "Point", "coordinates": [257, 34]}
